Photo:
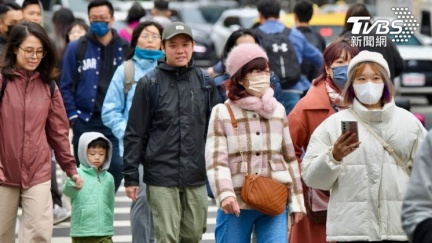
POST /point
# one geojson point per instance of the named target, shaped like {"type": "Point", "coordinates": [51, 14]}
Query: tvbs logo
{"type": "Point", "coordinates": [362, 26]}
{"type": "Point", "coordinates": [401, 28]}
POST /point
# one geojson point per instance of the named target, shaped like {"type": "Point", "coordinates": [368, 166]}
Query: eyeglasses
{"type": "Point", "coordinates": [77, 32]}
{"type": "Point", "coordinates": [30, 53]}
{"type": "Point", "coordinates": [153, 36]}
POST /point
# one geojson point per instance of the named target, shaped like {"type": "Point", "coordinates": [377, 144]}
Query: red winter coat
{"type": "Point", "coordinates": [306, 116]}
{"type": "Point", "coordinates": [30, 122]}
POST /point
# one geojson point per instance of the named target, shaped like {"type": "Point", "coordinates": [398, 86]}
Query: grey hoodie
{"type": "Point", "coordinates": [95, 201]}
{"type": "Point", "coordinates": [84, 141]}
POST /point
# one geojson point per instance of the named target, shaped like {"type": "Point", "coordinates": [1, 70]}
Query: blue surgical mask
{"type": "Point", "coordinates": [340, 76]}
{"type": "Point", "coordinates": [148, 54]}
{"type": "Point", "coordinates": [99, 28]}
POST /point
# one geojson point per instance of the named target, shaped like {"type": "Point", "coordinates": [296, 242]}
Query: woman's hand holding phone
{"type": "Point", "coordinates": [344, 145]}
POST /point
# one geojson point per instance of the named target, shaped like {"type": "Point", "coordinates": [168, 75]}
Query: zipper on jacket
{"type": "Point", "coordinates": [24, 117]}
{"type": "Point", "coordinates": [98, 176]}
{"type": "Point", "coordinates": [192, 101]}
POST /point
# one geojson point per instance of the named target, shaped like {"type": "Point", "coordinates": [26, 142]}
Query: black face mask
{"type": "Point", "coordinates": [9, 29]}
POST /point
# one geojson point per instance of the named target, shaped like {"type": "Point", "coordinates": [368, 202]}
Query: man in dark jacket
{"type": "Point", "coordinates": [84, 85]}
{"type": "Point", "coordinates": [169, 140]}
{"type": "Point", "coordinates": [10, 14]}
{"type": "Point", "coordinates": [303, 12]}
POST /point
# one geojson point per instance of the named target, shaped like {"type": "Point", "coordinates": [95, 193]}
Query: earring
{"type": "Point", "coordinates": [328, 75]}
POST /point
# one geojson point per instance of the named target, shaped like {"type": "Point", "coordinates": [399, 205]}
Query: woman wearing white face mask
{"type": "Point", "coordinates": [263, 145]}
{"type": "Point", "coordinates": [321, 101]}
{"type": "Point", "coordinates": [367, 183]}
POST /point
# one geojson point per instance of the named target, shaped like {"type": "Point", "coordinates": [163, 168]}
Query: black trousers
{"type": "Point", "coordinates": [55, 192]}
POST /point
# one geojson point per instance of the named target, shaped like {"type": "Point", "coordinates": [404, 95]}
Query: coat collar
{"type": "Point", "coordinates": [25, 75]}
{"type": "Point", "coordinates": [144, 63]}
{"type": "Point", "coordinates": [318, 98]}
{"type": "Point", "coordinates": [380, 115]}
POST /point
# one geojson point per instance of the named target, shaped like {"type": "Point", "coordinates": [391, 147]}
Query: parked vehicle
{"type": "Point", "coordinates": [417, 77]}
{"type": "Point", "coordinates": [230, 21]}
{"type": "Point", "coordinates": [328, 25]}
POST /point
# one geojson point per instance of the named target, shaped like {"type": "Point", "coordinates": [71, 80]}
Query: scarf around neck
{"type": "Point", "coordinates": [265, 106]}
{"type": "Point", "coordinates": [336, 98]}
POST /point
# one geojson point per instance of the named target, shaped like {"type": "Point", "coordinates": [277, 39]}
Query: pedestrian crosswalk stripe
{"type": "Point", "coordinates": [121, 219]}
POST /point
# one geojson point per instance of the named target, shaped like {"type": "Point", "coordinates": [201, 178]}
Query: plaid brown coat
{"type": "Point", "coordinates": [267, 149]}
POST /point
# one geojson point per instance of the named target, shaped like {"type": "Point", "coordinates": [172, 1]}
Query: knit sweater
{"type": "Point", "coordinates": [267, 149]}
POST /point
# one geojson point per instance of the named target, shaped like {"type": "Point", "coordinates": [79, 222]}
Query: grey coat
{"type": "Point", "coordinates": [417, 205]}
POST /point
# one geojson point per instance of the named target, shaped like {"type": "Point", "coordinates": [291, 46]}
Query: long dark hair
{"type": "Point", "coordinates": [231, 43]}
{"type": "Point", "coordinates": [137, 32]}
{"type": "Point", "coordinates": [359, 10]}
{"type": "Point", "coordinates": [135, 13]}
{"type": "Point", "coordinates": [47, 66]}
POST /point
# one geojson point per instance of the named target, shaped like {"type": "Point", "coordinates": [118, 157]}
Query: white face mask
{"type": "Point", "coordinates": [259, 83]}
{"type": "Point", "coordinates": [369, 93]}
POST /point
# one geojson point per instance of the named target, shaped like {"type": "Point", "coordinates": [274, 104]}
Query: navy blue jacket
{"type": "Point", "coordinates": [99, 64]}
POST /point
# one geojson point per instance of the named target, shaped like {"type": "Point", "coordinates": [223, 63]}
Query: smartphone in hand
{"type": "Point", "coordinates": [352, 127]}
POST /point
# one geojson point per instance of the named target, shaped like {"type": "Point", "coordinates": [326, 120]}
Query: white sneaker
{"type": "Point", "coordinates": [60, 214]}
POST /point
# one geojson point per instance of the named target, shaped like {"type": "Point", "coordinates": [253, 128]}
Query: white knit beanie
{"type": "Point", "coordinates": [242, 54]}
{"type": "Point", "coordinates": [369, 56]}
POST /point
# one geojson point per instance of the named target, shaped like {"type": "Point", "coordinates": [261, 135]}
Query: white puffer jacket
{"type": "Point", "coordinates": [367, 186]}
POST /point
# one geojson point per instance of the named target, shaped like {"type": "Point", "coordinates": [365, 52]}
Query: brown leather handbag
{"type": "Point", "coordinates": [259, 192]}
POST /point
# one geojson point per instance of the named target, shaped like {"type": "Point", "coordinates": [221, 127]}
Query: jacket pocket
{"type": "Point", "coordinates": [87, 217]}
{"type": "Point", "coordinates": [238, 168]}
{"type": "Point", "coordinates": [278, 165]}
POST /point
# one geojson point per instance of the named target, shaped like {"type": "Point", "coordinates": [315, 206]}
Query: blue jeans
{"type": "Point", "coordinates": [140, 216]}
{"type": "Point", "coordinates": [95, 125]}
{"type": "Point", "coordinates": [289, 100]}
{"type": "Point", "coordinates": [230, 228]}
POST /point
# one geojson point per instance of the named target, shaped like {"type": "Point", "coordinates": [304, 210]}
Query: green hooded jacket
{"type": "Point", "coordinates": [93, 205]}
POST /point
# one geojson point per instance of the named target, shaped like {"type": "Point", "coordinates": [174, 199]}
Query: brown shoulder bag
{"type": "Point", "coordinates": [259, 192]}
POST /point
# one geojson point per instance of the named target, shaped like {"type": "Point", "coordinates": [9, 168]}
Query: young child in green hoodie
{"type": "Point", "coordinates": [92, 216]}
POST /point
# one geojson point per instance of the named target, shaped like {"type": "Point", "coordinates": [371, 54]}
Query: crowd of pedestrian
{"type": "Point", "coordinates": [140, 110]}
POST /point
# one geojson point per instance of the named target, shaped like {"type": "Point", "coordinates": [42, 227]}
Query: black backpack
{"type": "Point", "coordinates": [4, 84]}
{"type": "Point", "coordinates": [282, 57]}
{"type": "Point", "coordinates": [308, 69]}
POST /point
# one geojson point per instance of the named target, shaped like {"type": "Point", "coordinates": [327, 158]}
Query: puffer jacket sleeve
{"type": "Point", "coordinates": [417, 205]}
{"type": "Point", "coordinates": [296, 204]}
{"type": "Point", "coordinates": [57, 130]}
{"type": "Point", "coordinates": [216, 156]}
{"type": "Point", "coordinates": [69, 188]}
{"type": "Point", "coordinates": [114, 105]}
{"type": "Point", "coordinates": [319, 169]}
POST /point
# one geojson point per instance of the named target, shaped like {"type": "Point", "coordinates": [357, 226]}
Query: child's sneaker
{"type": "Point", "coordinates": [60, 214]}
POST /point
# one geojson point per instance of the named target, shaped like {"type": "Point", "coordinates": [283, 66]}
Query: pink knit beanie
{"type": "Point", "coordinates": [242, 54]}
